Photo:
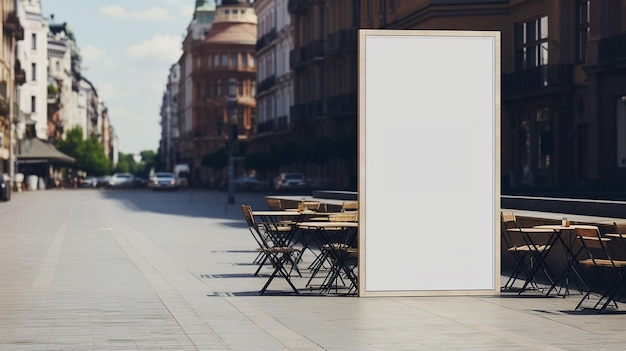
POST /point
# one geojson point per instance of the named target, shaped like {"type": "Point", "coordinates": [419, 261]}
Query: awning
{"type": "Point", "coordinates": [38, 151]}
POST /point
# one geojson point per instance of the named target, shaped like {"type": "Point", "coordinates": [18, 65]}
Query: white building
{"type": "Point", "coordinates": [274, 78]}
{"type": "Point", "coordinates": [169, 119]}
{"type": "Point", "coordinates": [32, 52]}
{"type": "Point", "coordinates": [61, 49]}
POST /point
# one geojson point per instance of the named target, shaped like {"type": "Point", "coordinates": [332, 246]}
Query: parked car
{"type": "Point", "coordinates": [140, 182]}
{"type": "Point", "coordinates": [102, 181]}
{"type": "Point", "coordinates": [163, 180]}
{"type": "Point", "coordinates": [5, 187]}
{"type": "Point", "coordinates": [247, 183]}
{"type": "Point", "coordinates": [89, 182]}
{"type": "Point", "coordinates": [290, 181]}
{"type": "Point", "coordinates": [122, 180]}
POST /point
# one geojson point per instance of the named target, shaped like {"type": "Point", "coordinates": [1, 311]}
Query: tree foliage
{"type": "Point", "coordinates": [139, 167]}
{"type": "Point", "coordinates": [89, 154]}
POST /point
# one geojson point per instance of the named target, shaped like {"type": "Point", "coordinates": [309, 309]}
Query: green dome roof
{"type": "Point", "coordinates": [205, 6]}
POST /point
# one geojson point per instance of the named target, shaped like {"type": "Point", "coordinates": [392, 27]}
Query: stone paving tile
{"type": "Point", "coordinates": [114, 270]}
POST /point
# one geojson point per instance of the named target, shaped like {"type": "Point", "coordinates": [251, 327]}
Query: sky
{"type": "Point", "coordinates": [128, 47]}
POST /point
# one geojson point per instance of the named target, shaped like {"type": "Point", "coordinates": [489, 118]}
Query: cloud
{"type": "Point", "coordinates": [107, 91]}
{"type": "Point", "coordinates": [186, 11]}
{"type": "Point", "coordinates": [156, 13]}
{"type": "Point", "coordinates": [91, 53]}
{"type": "Point", "coordinates": [153, 13]}
{"type": "Point", "coordinates": [165, 47]}
{"type": "Point", "coordinates": [114, 11]}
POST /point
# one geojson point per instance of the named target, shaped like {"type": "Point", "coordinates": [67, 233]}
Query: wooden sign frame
{"type": "Point", "coordinates": [429, 162]}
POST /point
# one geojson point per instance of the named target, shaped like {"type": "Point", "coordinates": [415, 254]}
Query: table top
{"type": "Point", "coordinates": [277, 213]}
{"type": "Point", "coordinates": [569, 227]}
{"type": "Point", "coordinates": [328, 224]}
{"type": "Point", "coordinates": [533, 230]}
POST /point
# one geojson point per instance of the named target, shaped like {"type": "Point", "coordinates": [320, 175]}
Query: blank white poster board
{"type": "Point", "coordinates": [429, 164]}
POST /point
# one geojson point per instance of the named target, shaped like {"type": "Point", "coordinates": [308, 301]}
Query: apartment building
{"type": "Point", "coordinates": [32, 52]}
{"type": "Point", "coordinates": [563, 78]}
{"type": "Point", "coordinates": [324, 112]}
{"type": "Point", "coordinates": [11, 76]}
{"type": "Point", "coordinates": [223, 87]}
{"type": "Point", "coordinates": [168, 144]}
{"type": "Point", "coordinates": [274, 77]}
{"type": "Point", "coordinates": [203, 16]}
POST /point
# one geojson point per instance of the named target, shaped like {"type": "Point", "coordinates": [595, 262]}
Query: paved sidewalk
{"type": "Point", "coordinates": [140, 270]}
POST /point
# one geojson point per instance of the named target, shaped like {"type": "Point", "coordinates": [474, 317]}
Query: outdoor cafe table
{"type": "Point", "coordinates": [566, 236]}
{"type": "Point", "coordinates": [335, 239]}
{"type": "Point", "coordinates": [279, 228]}
{"type": "Point", "coordinates": [281, 225]}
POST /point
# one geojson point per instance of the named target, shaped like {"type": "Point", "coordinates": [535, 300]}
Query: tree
{"type": "Point", "coordinates": [126, 164]}
{"type": "Point", "coordinates": [89, 154]}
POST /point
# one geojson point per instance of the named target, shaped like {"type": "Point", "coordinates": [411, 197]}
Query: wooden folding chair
{"type": "Point", "coordinates": [278, 255]}
{"type": "Point", "coordinates": [349, 206]}
{"type": "Point", "coordinates": [529, 248]}
{"type": "Point", "coordinates": [596, 257]}
{"type": "Point", "coordinates": [273, 203]}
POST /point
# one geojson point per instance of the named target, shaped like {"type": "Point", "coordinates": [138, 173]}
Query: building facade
{"type": "Point", "coordinates": [324, 112]}
{"type": "Point", "coordinates": [563, 79]}
{"type": "Point", "coordinates": [32, 52]}
{"type": "Point", "coordinates": [168, 145]}
{"type": "Point", "coordinates": [11, 76]}
{"type": "Point", "coordinates": [223, 87]}
{"type": "Point", "coordinates": [203, 17]}
{"type": "Point", "coordinates": [274, 78]}
{"type": "Point", "coordinates": [63, 85]}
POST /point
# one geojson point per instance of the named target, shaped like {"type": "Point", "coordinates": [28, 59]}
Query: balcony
{"type": "Point", "coordinates": [343, 40]}
{"type": "Point", "coordinates": [306, 111]}
{"type": "Point", "coordinates": [20, 74]}
{"type": "Point", "coordinates": [266, 39]}
{"type": "Point", "coordinates": [297, 57]}
{"type": "Point", "coordinates": [266, 84]}
{"type": "Point", "coordinates": [342, 104]}
{"type": "Point", "coordinates": [315, 50]}
{"type": "Point", "coordinates": [298, 6]}
{"type": "Point", "coordinates": [537, 80]}
{"type": "Point", "coordinates": [12, 25]}
{"type": "Point", "coordinates": [315, 109]}
{"type": "Point", "coordinates": [274, 125]}
{"type": "Point", "coordinates": [612, 50]}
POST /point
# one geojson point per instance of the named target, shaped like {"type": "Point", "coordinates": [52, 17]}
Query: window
{"type": "Point", "coordinates": [244, 60]}
{"type": "Point", "coordinates": [33, 41]}
{"type": "Point", "coordinates": [369, 9]}
{"type": "Point", "coordinates": [33, 104]}
{"type": "Point", "coordinates": [545, 138]}
{"type": "Point", "coordinates": [232, 87]}
{"type": "Point", "coordinates": [251, 61]}
{"type": "Point", "coordinates": [582, 27]}
{"type": "Point", "coordinates": [233, 60]}
{"type": "Point", "coordinates": [216, 60]}
{"type": "Point", "coordinates": [356, 12]}
{"type": "Point", "coordinates": [33, 71]}
{"type": "Point", "coordinates": [57, 65]}
{"type": "Point", "coordinates": [531, 43]}
{"type": "Point", "coordinates": [224, 60]}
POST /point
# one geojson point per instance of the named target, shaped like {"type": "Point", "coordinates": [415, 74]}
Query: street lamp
{"type": "Point", "coordinates": [233, 135]}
